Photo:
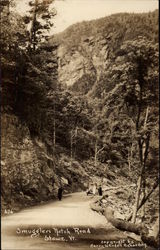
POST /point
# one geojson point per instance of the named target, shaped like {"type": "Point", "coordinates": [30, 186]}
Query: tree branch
{"type": "Point", "coordinates": [100, 150]}
{"type": "Point", "coordinates": [144, 199]}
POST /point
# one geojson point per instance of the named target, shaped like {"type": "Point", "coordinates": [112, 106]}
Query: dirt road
{"type": "Point", "coordinates": [67, 224]}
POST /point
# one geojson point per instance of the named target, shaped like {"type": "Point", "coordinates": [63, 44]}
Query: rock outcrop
{"type": "Point", "coordinates": [87, 49]}
{"type": "Point", "coordinates": [25, 161]}
{"type": "Point", "coordinates": [84, 63]}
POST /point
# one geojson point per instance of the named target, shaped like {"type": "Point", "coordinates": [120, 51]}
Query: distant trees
{"type": "Point", "coordinates": [115, 28]}
{"type": "Point", "coordinates": [75, 115]}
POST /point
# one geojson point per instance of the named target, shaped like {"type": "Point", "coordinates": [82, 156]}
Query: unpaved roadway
{"type": "Point", "coordinates": [69, 224]}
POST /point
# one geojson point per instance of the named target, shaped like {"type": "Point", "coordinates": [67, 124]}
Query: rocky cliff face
{"type": "Point", "coordinates": [85, 62]}
{"type": "Point", "coordinates": [87, 49]}
{"type": "Point", "coordinates": [25, 161]}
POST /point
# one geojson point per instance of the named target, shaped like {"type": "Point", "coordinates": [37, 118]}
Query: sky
{"type": "Point", "coordinates": [73, 11]}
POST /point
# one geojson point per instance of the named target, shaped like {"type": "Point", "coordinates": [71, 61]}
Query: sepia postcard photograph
{"type": "Point", "coordinates": [79, 124]}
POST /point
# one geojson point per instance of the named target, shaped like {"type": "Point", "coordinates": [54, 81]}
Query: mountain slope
{"type": "Point", "coordinates": [87, 49]}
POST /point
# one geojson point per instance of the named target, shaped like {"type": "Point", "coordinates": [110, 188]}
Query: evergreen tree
{"type": "Point", "coordinates": [40, 20]}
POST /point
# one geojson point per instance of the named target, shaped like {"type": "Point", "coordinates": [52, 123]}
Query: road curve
{"type": "Point", "coordinates": [66, 224]}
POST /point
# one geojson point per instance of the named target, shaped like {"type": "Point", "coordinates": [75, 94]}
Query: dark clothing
{"type": "Point", "coordinates": [60, 190]}
{"type": "Point", "coordinates": [100, 191]}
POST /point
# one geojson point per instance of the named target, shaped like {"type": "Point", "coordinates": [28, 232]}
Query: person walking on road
{"type": "Point", "coordinates": [100, 191]}
{"type": "Point", "coordinates": [60, 190]}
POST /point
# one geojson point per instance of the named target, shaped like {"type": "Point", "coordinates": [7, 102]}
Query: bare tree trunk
{"type": "Point", "coordinates": [130, 157]}
{"type": "Point", "coordinates": [71, 153]}
{"type": "Point", "coordinates": [54, 133]}
{"type": "Point", "coordinates": [72, 136]}
{"type": "Point", "coordinates": [146, 117]}
{"type": "Point", "coordinates": [75, 136]}
{"type": "Point", "coordinates": [149, 239]}
{"type": "Point", "coordinates": [118, 223]}
{"type": "Point", "coordinates": [143, 201]}
{"type": "Point", "coordinates": [95, 154]}
{"type": "Point", "coordinates": [143, 152]}
{"type": "Point", "coordinates": [137, 199]}
{"type": "Point", "coordinates": [144, 195]}
{"type": "Point", "coordinates": [144, 157]}
{"type": "Point", "coordinates": [123, 225]}
{"type": "Point", "coordinates": [143, 179]}
{"type": "Point", "coordinates": [140, 155]}
{"type": "Point", "coordinates": [54, 128]}
{"type": "Point", "coordinates": [129, 162]}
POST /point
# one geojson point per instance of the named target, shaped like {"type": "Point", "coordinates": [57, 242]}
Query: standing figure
{"type": "Point", "coordinates": [60, 190]}
{"type": "Point", "coordinates": [100, 191]}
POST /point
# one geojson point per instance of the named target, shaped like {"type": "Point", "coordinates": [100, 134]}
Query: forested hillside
{"type": "Point", "coordinates": [87, 50]}
{"type": "Point", "coordinates": [77, 106]}
{"type": "Point", "coordinates": [113, 62]}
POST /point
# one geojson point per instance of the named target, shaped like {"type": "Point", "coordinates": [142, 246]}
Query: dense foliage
{"type": "Point", "coordinates": [124, 96]}
{"type": "Point", "coordinates": [117, 28]}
